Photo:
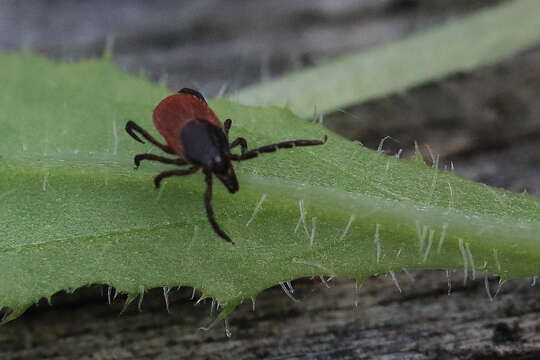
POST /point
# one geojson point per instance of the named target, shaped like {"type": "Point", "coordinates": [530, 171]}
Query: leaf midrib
{"type": "Point", "coordinates": [345, 200]}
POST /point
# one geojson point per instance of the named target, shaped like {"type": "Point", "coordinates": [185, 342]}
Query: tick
{"type": "Point", "coordinates": [199, 141]}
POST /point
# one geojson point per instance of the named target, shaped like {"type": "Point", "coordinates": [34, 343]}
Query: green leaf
{"type": "Point", "coordinates": [74, 212]}
{"type": "Point", "coordinates": [460, 45]}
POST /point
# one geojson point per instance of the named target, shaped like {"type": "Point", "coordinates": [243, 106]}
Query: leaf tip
{"type": "Point", "coordinates": [228, 308]}
{"type": "Point", "coordinates": [129, 300]}
{"type": "Point", "coordinates": [9, 313]}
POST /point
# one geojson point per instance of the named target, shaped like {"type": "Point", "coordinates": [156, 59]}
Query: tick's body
{"type": "Point", "coordinates": [174, 112]}
{"type": "Point", "coordinates": [194, 133]}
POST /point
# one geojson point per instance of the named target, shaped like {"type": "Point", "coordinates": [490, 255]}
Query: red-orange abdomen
{"type": "Point", "coordinates": [175, 111]}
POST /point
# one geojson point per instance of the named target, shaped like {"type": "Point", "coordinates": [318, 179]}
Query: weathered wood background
{"type": "Point", "coordinates": [486, 122]}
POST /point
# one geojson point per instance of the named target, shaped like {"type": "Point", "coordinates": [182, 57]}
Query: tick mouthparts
{"type": "Point", "coordinates": [229, 181]}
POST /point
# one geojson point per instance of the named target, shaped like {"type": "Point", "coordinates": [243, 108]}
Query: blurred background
{"type": "Point", "coordinates": [485, 122]}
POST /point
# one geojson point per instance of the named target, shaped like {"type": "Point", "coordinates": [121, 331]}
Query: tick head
{"type": "Point", "coordinates": [225, 172]}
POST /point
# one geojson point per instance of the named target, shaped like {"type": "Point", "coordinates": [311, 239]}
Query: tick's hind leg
{"type": "Point", "coordinates": [140, 157]}
{"type": "Point", "coordinates": [239, 142]}
{"type": "Point", "coordinates": [132, 128]}
{"type": "Point", "coordinates": [210, 211]}
{"type": "Point", "coordinates": [227, 126]}
{"type": "Point", "coordinates": [273, 147]}
{"type": "Point", "coordinates": [169, 173]}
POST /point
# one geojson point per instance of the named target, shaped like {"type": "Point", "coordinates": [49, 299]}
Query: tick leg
{"type": "Point", "coordinates": [192, 92]}
{"type": "Point", "coordinates": [273, 147]}
{"type": "Point", "coordinates": [239, 141]}
{"type": "Point", "coordinates": [132, 128]}
{"type": "Point", "coordinates": [210, 211]}
{"type": "Point", "coordinates": [140, 157]}
{"type": "Point", "coordinates": [227, 126]}
{"type": "Point", "coordinates": [169, 173]}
